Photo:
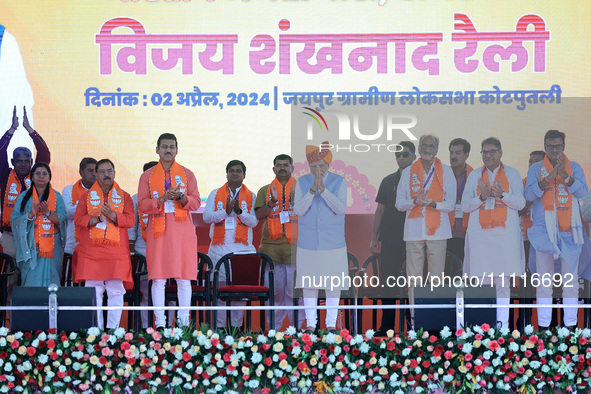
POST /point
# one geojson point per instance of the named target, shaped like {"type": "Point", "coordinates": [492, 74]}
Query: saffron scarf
{"type": "Point", "coordinates": [556, 197]}
{"type": "Point", "coordinates": [435, 193]}
{"type": "Point", "coordinates": [157, 184]}
{"type": "Point", "coordinates": [95, 199]}
{"type": "Point", "coordinates": [11, 193]}
{"type": "Point", "coordinates": [527, 223]}
{"type": "Point", "coordinates": [496, 217]}
{"type": "Point", "coordinates": [77, 190]}
{"type": "Point", "coordinates": [219, 230]}
{"type": "Point", "coordinates": [44, 228]}
{"type": "Point", "coordinates": [276, 229]}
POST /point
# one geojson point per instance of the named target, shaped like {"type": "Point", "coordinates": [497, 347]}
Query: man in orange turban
{"type": "Point", "coordinates": [320, 202]}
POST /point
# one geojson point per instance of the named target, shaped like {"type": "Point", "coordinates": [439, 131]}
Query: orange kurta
{"type": "Point", "coordinates": [174, 253]}
{"type": "Point", "coordinates": [103, 261]}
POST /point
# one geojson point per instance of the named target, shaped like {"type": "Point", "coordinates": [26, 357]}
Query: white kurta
{"type": "Point", "coordinates": [320, 264]}
{"type": "Point", "coordinates": [415, 229]}
{"type": "Point", "coordinates": [498, 250]}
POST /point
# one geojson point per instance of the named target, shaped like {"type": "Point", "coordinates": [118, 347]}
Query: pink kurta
{"type": "Point", "coordinates": [174, 254]}
{"type": "Point", "coordinates": [102, 261]}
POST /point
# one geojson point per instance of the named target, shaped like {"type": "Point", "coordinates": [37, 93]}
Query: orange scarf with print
{"type": "Point", "coordinates": [219, 230]}
{"type": "Point", "coordinates": [95, 199]}
{"type": "Point", "coordinates": [496, 217]}
{"type": "Point", "coordinates": [77, 191]}
{"type": "Point", "coordinates": [157, 184]}
{"type": "Point", "coordinates": [556, 196]}
{"type": "Point", "coordinates": [527, 223]}
{"type": "Point", "coordinates": [417, 180]}
{"type": "Point", "coordinates": [44, 228]}
{"type": "Point", "coordinates": [276, 229]}
{"type": "Point", "coordinates": [143, 217]}
{"type": "Point", "coordinates": [11, 193]}
{"type": "Point", "coordinates": [452, 215]}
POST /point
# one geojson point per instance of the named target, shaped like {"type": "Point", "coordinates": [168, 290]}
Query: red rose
{"type": "Point", "coordinates": [355, 351]}
{"type": "Point", "coordinates": [414, 363]}
{"type": "Point", "coordinates": [268, 361]}
{"type": "Point", "coordinates": [31, 351]}
{"type": "Point", "coordinates": [390, 346]}
{"type": "Point", "coordinates": [426, 364]}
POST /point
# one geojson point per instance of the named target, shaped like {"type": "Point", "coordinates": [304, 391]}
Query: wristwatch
{"type": "Point", "coordinates": [503, 194]}
{"type": "Point", "coordinates": [567, 179]}
{"type": "Point", "coordinates": [181, 196]}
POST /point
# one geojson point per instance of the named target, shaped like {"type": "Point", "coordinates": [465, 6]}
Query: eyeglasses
{"type": "Point", "coordinates": [428, 146]}
{"type": "Point", "coordinates": [104, 172]}
{"type": "Point", "coordinates": [44, 173]}
{"type": "Point", "coordinates": [403, 154]}
{"type": "Point", "coordinates": [490, 152]}
{"type": "Point", "coordinates": [555, 147]}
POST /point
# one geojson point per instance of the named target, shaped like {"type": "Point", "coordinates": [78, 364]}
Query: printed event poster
{"type": "Point", "coordinates": [105, 78]}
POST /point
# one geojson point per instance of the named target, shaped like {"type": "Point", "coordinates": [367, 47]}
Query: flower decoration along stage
{"type": "Point", "coordinates": [478, 359]}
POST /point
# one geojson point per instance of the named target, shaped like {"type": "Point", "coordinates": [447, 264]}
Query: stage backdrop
{"type": "Point", "coordinates": [107, 77]}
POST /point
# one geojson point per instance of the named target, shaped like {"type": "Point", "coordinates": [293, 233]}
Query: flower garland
{"type": "Point", "coordinates": [480, 359]}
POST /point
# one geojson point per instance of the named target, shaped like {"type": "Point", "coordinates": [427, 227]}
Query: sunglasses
{"type": "Point", "coordinates": [403, 154]}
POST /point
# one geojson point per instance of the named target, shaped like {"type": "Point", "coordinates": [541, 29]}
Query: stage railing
{"type": "Point", "coordinates": [53, 308]}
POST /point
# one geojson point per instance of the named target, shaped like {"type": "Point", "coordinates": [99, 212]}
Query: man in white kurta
{"type": "Point", "coordinates": [494, 245]}
{"type": "Point", "coordinates": [320, 203]}
{"type": "Point", "coordinates": [427, 193]}
{"type": "Point", "coordinates": [226, 216]}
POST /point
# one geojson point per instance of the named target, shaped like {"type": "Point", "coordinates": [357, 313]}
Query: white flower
{"type": "Point", "coordinates": [445, 333]}
{"type": "Point", "coordinates": [291, 330]}
{"type": "Point", "coordinates": [364, 347]}
{"type": "Point", "coordinates": [271, 333]}
{"type": "Point", "coordinates": [261, 339]}
{"type": "Point", "coordinates": [91, 331]}
{"type": "Point", "coordinates": [528, 330]}
{"type": "Point", "coordinates": [229, 340]}
{"type": "Point", "coordinates": [296, 351]}
{"type": "Point", "coordinates": [412, 334]}
{"type": "Point", "coordinates": [563, 332]}
{"type": "Point", "coordinates": [467, 348]}
{"type": "Point", "coordinates": [369, 333]}
{"type": "Point", "coordinates": [257, 358]}
{"type": "Point", "coordinates": [514, 347]}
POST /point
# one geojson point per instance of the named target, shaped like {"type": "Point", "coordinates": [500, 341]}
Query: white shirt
{"type": "Point", "coordinates": [213, 215]}
{"type": "Point", "coordinates": [70, 210]}
{"type": "Point", "coordinates": [415, 229]}
{"type": "Point", "coordinates": [135, 233]}
{"type": "Point", "coordinates": [483, 255]}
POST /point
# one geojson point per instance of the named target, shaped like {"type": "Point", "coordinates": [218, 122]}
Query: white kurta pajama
{"type": "Point", "coordinates": [497, 251]}
{"type": "Point", "coordinates": [318, 262]}
{"type": "Point", "coordinates": [213, 214]}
